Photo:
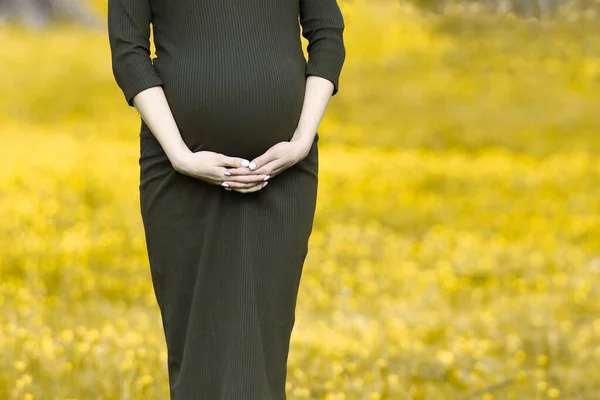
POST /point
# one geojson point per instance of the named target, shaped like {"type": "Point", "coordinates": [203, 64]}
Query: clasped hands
{"type": "Point", "coordinates": [240, 175]}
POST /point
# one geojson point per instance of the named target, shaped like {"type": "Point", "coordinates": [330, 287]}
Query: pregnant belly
{"type": "Point", "coordinates": [236, 107]}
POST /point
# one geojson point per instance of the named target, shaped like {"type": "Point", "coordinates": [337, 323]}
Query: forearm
{"type": "Point", "coordinates": [154, 109]}
{"type": "Point", "coordinates": [317, 93]}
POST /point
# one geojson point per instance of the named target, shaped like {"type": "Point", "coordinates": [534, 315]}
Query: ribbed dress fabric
{"type": "Point", "coordinates": [226, 266]}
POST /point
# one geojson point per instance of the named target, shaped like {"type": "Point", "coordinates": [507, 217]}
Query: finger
{"type": "Point", "coordinates": [258, 162]}
{"type": "Point", "coordinates": [239, 185]}
{"type": "Point", "coordinates": [254, 188]}
{"type": "Point", "coordinates": [239, 171]}
{"type": "Point", "coordinates": [234, 162]}
{"type": "Point", "coordinates": [247, 178]}
{"type": "Point", "coordinates": [214, 177]}
{"type": "Point", "coordinates": [270, 168]}
{"type": "Point", "coordinates": [219, 175]}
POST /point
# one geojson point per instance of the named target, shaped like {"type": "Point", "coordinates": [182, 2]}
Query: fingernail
{"type": "Point", "coordinates": [265, 184]}
{"type": "Point", "coordinates": [267, 177]}
{"type": "Point", "coordinates": [224, 184]}
{"type": "Point", "coordinates": [252, 166]}
{"type": "Point", "coordinates": [227, 173]}
{"type": "Point", "coordinates": [245, 163]}
{"type": "Point", "coordinates": [228, 189]}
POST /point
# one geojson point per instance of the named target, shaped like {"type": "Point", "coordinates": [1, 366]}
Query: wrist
{"type": "Point", "coordinates": [302, 148]}
{"type": "Point", "coordinates": [179, 158]}
{"type": "Point", "coordinates": [303, 141]}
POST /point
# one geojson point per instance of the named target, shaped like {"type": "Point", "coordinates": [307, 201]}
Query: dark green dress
{"type": "Point", "coordinates": [226, 266]}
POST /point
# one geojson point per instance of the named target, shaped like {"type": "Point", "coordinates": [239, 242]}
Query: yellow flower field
{"type": "Point", "coordinates": [456, 248]}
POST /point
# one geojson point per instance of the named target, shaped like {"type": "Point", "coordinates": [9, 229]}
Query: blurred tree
{"type": "Point", "coordinates": [38, 14]}
{"type": "Point", "coordinates": [542, 9]}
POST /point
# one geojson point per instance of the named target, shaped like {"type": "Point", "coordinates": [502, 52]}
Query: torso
{"type": "Point", "coordinates": [233, 71]}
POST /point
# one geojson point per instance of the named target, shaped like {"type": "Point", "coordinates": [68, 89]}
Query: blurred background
{"type": "Point", "coordinates": [456, 247]}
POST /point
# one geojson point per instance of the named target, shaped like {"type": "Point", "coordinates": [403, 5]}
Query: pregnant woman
{"type": "Point", "coordinates": [229, 105]}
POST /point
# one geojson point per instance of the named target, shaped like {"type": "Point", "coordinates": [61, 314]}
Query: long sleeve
{"type": "Point", "coordinates": [129, 37]}
{"type": "Point", "coordinates": [323, 27]}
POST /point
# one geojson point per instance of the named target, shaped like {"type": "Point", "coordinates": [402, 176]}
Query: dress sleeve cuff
{"type": "Point", "coordinates": [326, 65]}
{"type": "Point", "coordinates": [137, 77]}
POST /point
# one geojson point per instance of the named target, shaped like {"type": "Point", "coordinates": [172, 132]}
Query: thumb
{"type": "Point", "coordinates": [234, 162]}
{"type": "Point", "coordinates": [262, 160]}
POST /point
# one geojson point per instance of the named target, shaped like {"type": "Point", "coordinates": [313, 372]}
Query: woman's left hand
{"type": "Point", "coordinates": [274, 161]}
{"type": "Point", "coordinates": [279, 157]}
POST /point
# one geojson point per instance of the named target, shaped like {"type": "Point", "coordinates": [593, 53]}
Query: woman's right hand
{"type": "Point", "coordinates": [212, 167]}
